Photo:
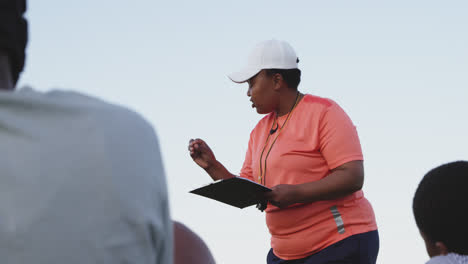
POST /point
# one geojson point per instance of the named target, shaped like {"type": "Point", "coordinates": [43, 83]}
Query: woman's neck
{"type": "Point", "coordinates": [6, 80]}
{"type": "Point", "coordinates": [287, 102]}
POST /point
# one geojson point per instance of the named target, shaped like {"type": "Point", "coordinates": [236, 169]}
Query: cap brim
{"type": "Point", "coordinates": [243, 75]}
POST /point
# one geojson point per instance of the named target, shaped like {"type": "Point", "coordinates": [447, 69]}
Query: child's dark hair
{"type": "Point", "coordinates": [440, 206]}
{"type": "Point", "coordinates": [292, 77]}
{"type": "Point", "coordinates": [13, 34]}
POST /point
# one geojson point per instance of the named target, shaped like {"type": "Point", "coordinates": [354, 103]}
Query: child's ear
{"type": "Point", "coordinates": [434, 248]}
{"type": "Point", "coordinates": [441, 248]}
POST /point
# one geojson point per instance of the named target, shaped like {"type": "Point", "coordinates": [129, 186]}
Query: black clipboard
{"type": "Point", "coordinates": [236, 191]}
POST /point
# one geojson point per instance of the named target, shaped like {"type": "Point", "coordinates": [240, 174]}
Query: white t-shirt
{"type": "Point", "coordinates": [450, 258]}
{"type": "Point", "coordinates": [81, 181]}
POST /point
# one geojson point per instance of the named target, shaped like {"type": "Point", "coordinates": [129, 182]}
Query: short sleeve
{"type": "Point", "coordinates": [246, 171]}
{"type": "Point", "coordinates": [339, 141]}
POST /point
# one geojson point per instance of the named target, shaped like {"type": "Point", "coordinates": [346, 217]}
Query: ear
{"type": "Point", "coordinates": [278, 81]}
{"type": "Point", "coordinates": [441, 248]}
{"type": "Point", "coordinates": [6, 75]}
{"type": "Point", "coordinates": [434, 248]}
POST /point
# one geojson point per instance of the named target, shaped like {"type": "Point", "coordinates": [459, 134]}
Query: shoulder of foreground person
{"type": "Point", "coordinates": [101, 109]}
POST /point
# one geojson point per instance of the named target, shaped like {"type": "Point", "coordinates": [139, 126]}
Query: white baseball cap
{"type": "Point", "coordinates": [270, 54]}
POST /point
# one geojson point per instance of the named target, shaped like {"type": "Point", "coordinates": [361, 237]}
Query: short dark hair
{"type": "Point", "coordinates": [440, 206]}
{"type": "Point", "coordinates": [13, 34]}
{"type": "Point", "coordinates": [292, 77]}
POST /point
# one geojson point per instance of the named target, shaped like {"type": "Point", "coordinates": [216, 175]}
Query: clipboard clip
{"type": "Point", "coordinates": [262, 205]}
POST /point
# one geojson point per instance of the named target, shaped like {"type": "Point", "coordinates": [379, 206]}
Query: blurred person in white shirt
{"type": "Point", "coordinates": [81, 180]}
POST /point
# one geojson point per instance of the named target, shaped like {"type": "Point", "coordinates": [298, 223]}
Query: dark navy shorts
{"type": "Point", "coordinates": [357, 249]}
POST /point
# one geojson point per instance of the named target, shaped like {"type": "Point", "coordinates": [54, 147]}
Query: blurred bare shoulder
{"type": "Point", "coordinates": [189, 247]}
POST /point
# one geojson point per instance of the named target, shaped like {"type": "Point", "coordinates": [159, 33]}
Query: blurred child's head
{"type": "Point", "coordinates": [13, 37]}
{"type": "Point", "coordinates": [440, 207]}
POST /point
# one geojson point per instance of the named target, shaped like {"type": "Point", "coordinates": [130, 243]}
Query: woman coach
{"type": "Point", "coordinates": [306, 149]}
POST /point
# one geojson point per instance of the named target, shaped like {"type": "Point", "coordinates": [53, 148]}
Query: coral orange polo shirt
{"type": "Point", "coordinates": [317, 138]}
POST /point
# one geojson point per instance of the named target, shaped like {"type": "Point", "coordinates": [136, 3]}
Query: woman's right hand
{"type": "Point", "coordinates": [201, 153]}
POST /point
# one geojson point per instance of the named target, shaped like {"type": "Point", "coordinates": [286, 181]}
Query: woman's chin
{"type": "Point", "coordinates": [262, 112]}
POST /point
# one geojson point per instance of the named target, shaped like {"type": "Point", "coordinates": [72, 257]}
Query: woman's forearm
{"type": "Point", "coordinates": [218, 172]}
{"type": "Point", "coordinates": [342, 181]}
